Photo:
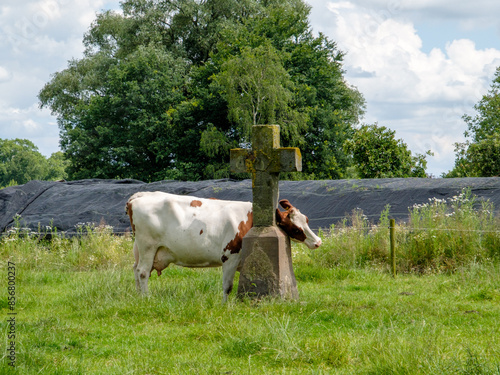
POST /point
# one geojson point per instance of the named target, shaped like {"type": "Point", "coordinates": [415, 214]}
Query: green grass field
{"type": "Point", "coordinates": [357, 320]}
{"type": "Point", "coordinates": [77, 311]}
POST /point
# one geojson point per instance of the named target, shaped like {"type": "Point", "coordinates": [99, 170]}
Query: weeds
{"type": "Point", "coordinates": [440, 236]}
{"type": "Point", "coordinates": [95, 247]}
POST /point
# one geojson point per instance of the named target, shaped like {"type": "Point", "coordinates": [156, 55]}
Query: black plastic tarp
{"type": "Point", "coordinates": [67, 205]}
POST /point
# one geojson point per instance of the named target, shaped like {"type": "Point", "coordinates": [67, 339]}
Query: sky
{"type": "Point", "coordinates": [420, 65]}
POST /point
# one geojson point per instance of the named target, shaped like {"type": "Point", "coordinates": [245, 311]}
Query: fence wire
{"type": "Point", "coordinates": [329, 231]}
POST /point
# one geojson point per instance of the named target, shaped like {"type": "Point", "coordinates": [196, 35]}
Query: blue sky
{"type": "Point", "coordinates": [436, 34]}
{"type": "Point", "coordinates": [419, 65]}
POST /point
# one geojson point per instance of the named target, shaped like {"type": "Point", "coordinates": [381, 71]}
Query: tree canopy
{"type": "Point", "coordinates": [376, 153]}
{"type": "Point", "coordinates": [20, 162]}
{"type": "Point", "coordinates": [167, 88]}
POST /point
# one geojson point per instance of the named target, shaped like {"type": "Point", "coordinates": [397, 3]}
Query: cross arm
{"type": "Point", "coordinates": [239, 158]}
{"type": "Point", "coordinates": [290, 159]}
{"type": "Point", "coordinates": [286, 159]}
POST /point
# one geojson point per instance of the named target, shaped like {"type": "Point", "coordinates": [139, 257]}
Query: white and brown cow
{"type": "Point", "coordinates": [198, 232]}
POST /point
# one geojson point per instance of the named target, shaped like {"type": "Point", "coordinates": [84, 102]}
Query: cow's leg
{"type": "Point", "coordinates": [229, 266]}
{"type": "Point", "coordinates": [144, 266]}
{"type": "Point", "coordinates": [136, 257]}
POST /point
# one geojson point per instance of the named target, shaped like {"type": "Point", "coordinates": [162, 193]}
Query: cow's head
{"type": "Point", "coordinates": [295, 225]}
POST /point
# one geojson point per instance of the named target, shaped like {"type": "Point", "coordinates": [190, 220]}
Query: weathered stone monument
{"type": "Point", "coordinates": [266, 251]}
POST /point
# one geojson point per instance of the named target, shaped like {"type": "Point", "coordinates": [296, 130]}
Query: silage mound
{"type": "Point", "coordinates": [69, 205]}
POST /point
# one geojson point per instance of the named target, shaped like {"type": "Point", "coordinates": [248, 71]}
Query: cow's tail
{"type": "Point", "coordinates": [128, 210]}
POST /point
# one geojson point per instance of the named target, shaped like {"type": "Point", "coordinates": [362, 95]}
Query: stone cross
{"type": "Point", "coordinates": [265, 162]}
{"type": "Point", "coordinates": [266, 251]}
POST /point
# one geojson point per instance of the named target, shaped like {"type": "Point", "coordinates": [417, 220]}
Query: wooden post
{"type": "Point", "coordinates": [392, 230]}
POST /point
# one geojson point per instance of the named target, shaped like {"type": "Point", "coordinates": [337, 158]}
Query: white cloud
{"type": "Point", "coordinates": [30, 123]}
{"type": "Point", "coordinates": [392, 50]}
{"type": "Point", "coordinates": [37, 38]}
{"type": "Point", "coordinates": [420, 95]}
{"type": "Point", "coordinates": [4, 74]}
{"type": "Point", "coordinates": [336, 7]}
{"type": "Point", "coordinates": [472, 13]}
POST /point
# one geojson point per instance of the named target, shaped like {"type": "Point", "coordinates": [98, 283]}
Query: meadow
{"type": "Point", "coordinates": [77, 310]}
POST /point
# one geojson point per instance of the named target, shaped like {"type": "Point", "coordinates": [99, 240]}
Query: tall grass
{"type": "Point", "coordinates": [95, 247]}
{"type": "Point", "coordinates": [441, 235]}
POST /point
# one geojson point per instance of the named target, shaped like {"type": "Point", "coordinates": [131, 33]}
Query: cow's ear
{"type": "Point", "coordinates": [279, 216]}
{"type": "Point", "coordinates": [285, 204]}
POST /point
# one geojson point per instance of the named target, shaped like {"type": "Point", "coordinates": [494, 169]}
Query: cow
{"type": "Point", "coordinates": [197, 232]}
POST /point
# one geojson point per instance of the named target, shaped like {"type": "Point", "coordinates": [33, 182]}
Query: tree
{"type": "Point", "coordinates": [477, 159]}
{"type": "Point", "coordinates": [57, 165]}
{"type": "Point", "coordinates": [257, 89]}
{"type": "Point", "coordinates": [484, 156]}
{"type": "Point", "coordinates": [120, 126]}
{"type": "Point", "coordinates": [158, 93]}
{"type": "Point", "coordinates": [376, 153]}
{"type": "Point", "coordinates": [487, 120]}
{"type": "Point", "coordinates": [323, 107]}
{"type": "Point", "coordinates": [20, 162]}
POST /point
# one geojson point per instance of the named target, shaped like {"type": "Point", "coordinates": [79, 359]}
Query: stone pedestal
{"type": "Point", "coordinates": [267, 265]}
{"type": "Point", "coordinates": [266, 251]}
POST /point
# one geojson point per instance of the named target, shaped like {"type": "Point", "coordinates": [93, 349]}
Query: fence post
{"type": "Point", "coordinates": [392, 231]}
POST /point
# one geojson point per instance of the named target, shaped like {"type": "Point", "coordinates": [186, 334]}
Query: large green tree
{"type": "Point", "coordinates": [376, 153]}
{"type": "Point", "coordinates": [323, 109]}
{"type": "Point", "coordinates": [486, 122]}
{"type": "Point", "coordinates": [167, 88]}
{"type": "Point", "coordinates": [479, 155]}
{"type": "Point", "coordinates": [114, 114]}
